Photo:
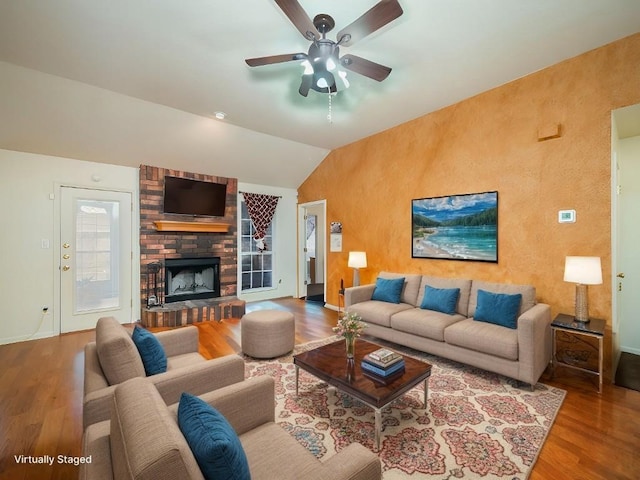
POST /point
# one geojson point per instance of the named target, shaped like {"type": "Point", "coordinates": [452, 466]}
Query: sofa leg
{"type": "Point", "coordinates": [522, 385]}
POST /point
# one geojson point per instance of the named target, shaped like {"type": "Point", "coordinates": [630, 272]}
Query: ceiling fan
{"type": "Point", "coordinates": [323, 57]}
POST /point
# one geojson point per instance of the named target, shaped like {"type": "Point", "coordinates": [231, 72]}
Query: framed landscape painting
{"type": "Point", "coordinates": [456, 227]}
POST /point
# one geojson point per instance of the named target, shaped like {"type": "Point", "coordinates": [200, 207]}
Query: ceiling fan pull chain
{"type": "Point", "coordinates": [329, 117]}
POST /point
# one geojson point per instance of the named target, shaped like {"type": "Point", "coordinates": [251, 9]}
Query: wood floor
{"type": "Point", "coordinates": [595, 436]}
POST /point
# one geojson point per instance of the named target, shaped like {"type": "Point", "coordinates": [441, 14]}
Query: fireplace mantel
{"type": "Point", "coordinates": [174, 226]}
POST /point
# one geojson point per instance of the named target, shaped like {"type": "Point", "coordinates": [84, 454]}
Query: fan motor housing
{"type": "Point", "coordinates": [324, 23]}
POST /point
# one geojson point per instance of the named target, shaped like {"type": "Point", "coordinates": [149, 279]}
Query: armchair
{"type": "Point", "coordinates": [143, 440]}
{"type": "Point", "coordinates": [113, 358]}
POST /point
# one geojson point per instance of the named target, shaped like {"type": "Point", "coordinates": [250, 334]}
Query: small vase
{"type": "Point", "coordinates": [351, 346]}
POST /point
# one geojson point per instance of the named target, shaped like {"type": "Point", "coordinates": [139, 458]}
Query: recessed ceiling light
{"type": "Point", "coordinates": [220, 115]}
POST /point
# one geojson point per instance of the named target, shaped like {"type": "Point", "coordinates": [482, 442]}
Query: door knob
{"type": "Point", "coordinates": [620, 275]}
{"type": "Point", "coordinates": [65, 268]}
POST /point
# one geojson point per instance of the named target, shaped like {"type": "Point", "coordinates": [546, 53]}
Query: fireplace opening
{"type": "Point", "coordinates": [191, 278]}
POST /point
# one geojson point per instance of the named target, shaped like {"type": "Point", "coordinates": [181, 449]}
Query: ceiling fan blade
{"type": "Point", "coordinates": [294, 11]}
{"type": "Point", "coordinates": [365, 67]}
{"type": "Point", "coordinates": [307, 80]}
{"type": "Point", "coordinates": [377, 17]}
{"type": "Point", "coordinates": [288, 57]}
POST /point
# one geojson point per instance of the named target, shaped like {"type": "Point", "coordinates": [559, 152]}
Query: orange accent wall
{"type": "Point", "coordinates": [490, 142]}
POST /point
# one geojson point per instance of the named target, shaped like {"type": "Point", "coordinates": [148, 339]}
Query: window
{"type": "Point", "coordinates": [256, 268]}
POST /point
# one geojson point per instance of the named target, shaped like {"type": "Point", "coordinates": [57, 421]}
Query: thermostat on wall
{"type": "Point", "coordinates": [567, 216]}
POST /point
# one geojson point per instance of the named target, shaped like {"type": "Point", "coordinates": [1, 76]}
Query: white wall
{"type": "Point", "coordinates": [285, 247]}
{"type": "Point", "coordinates": [29, 271]}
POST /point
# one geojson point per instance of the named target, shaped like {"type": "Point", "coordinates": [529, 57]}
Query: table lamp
{"type": "Point", "coordinates": [583, 271]}
{"type": "Point", "coordinates": [357, 260]}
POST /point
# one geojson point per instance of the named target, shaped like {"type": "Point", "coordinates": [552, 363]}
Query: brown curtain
{"type": "Point", "coordinates": [261, 209]}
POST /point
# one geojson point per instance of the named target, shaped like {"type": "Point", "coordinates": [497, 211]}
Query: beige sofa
{"type": "Point", "coordinates": [143, 440]}
{"type": "Point", "coordinates": [113, 358]}
{"type": "Point", "coordinates": [522, 353]}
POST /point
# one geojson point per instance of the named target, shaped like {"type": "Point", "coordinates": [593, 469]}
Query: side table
{"type": "Point", "coordinates": [594, 328]}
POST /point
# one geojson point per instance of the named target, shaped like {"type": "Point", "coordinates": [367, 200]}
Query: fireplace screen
{"type": "Point", "coordinates": [192, 278]}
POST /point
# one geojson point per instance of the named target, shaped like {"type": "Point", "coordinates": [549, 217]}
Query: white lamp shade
{"type": "Point", "coordinates": [357, 260]}
{"type": "Point", "coordinates": [584, 270]}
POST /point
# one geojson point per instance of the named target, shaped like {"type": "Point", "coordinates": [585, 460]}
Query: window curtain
{"type": "Point", "coordinates": [261, 209]}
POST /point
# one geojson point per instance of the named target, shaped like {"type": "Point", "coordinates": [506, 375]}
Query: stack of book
{"type": "Point", "coordinates": [382, 363]}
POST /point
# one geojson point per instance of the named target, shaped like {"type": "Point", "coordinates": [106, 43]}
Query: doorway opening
{"type": "Point", "coordinates": [312, 251]}
{"type": "Point", "coordinates": [625, 201]}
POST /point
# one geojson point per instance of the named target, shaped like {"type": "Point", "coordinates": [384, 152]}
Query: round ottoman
{"type": "Point", "coordinates": [267, 333]}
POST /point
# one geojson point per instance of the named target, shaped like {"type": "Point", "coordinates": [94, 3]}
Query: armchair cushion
{"type": "Point", "coordinates": [212, 440]}
{"type": "Point", "coordinates": [151, 352]}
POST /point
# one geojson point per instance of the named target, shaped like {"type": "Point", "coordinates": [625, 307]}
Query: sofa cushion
{"type": "Point", "coordinates": [528, 293]}
{"type": "Point", "coordinates": [424, 323]}
{"type": "Point", "coordinates": [376, 312]}
{"type": "Point", "coordinates": [212, 440]}
{"type": "Point", "coordinates": [118, 355]}
{"type": "Point", "coordinates": [484, 337]}
{"type": "Point", "coordinates": [388, 290]}
{"type": "Point", "coordinates": [462, 307]}
{"type": "Point", "coordinates": [498, 308]}
{"type": "Point", "coordinates": [411, 286]}
{"type": "Point", "coordinates": [442, 300]}
{"type": "Point", "coordinates": [151, 351]}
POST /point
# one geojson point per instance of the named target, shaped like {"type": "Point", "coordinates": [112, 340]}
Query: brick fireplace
{"type": "Point", "coordinates": [159, 243]}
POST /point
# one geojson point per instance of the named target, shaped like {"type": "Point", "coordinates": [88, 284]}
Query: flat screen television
{"type": "Point", "coordinates": [194, 197]}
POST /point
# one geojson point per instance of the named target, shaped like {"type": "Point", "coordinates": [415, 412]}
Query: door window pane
{"type": "Point", "coordinates": [97, 253]}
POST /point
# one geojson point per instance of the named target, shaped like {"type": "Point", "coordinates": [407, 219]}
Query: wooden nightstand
{"type": "Point", "coordinates": [594, 328]}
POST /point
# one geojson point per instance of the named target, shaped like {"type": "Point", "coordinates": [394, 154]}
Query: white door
{"type": "Point", "coordinates": [628, 269]}
{"type": "Point", "coordinates": [95, 257]}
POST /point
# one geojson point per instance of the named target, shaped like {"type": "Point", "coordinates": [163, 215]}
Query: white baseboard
{"type": "Point", "coordinates": [330, 307]}
{"type": "Point", "coordinates": [23, 338]}
{"type": "Point", "coordinates": [634, 351]}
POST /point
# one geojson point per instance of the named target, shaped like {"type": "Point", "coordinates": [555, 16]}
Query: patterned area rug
{"type": "Point", "coordinates": [477, 424]}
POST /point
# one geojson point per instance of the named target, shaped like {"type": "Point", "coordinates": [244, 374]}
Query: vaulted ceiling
{"type": "Point", "coordinates": [139, 81]}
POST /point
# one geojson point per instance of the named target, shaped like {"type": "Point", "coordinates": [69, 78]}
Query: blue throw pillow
{"type": "Point", "coordinates": [440, 299]}
{"type": "Point", "coordinates": [499, 308]}
{"type": "Point", "coordinates": [213, 441]}
{"type": "Point", "coordinates": [388, 290]}
{"type": "Point", "coordinates": [151, 352]}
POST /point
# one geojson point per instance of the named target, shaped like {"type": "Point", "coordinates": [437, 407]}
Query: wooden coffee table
{"type": "Point", "coordinates": [329, 363]}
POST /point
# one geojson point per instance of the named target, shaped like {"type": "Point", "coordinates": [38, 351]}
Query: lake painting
{"type": "Point", "coordinates": [456, 227]}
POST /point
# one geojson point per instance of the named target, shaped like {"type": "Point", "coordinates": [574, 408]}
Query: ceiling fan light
{"type": "Point", "coordinates": [343, 76]}
{"type": "Point", "coordinates": [322, 83]}
{"type": "Point", "coordinates": [331, 64]}
{"type": "Point", "coordinates": [308, 68]}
